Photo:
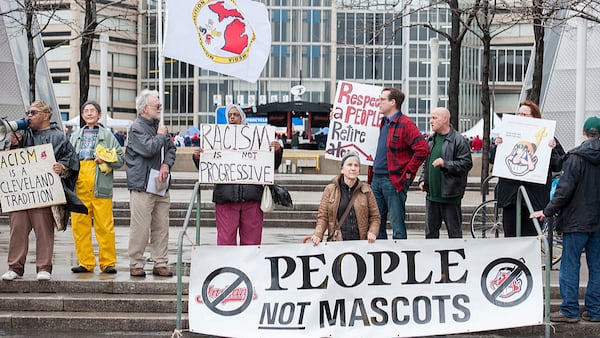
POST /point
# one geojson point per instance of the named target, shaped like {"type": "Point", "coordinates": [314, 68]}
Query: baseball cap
{"type": "Point", "coordinates": [592, 126]}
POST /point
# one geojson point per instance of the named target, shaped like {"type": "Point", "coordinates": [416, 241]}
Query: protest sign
{"type": "Point", "coordinates": [361, 289]}
{"type": "Point", "coordinates": [354, 123]}
{"type": "Point", "coordinates": [524, 153]}
{"type": "Point", "coordinates": [235, 153]}
{"type": "Point", "coordinates": [27, 180]}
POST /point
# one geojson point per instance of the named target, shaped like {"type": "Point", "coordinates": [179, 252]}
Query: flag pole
{"type": "Point", "coordinates": [161, 59]}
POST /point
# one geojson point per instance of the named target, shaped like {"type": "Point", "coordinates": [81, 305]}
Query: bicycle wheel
{"type": "Point", "coordinates": [486, 221]}
{"type": "Point", "coordinates": [556, 243]}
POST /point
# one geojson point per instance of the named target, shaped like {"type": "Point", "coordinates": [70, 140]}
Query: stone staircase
{"type": "Point", "coordinates": [90, 305]}
{"type": "Point", "coordinates": [88, 308]}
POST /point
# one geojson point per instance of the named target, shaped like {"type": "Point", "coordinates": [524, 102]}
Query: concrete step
{"type": "Point", "coordinates": [92, 322]}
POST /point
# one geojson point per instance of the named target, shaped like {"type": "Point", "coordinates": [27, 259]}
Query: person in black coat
{"type": "Point", "coordinates": [237, 206]}
{"type": "Point", "coordinates": [539, 194]}
{"type": "Point", "coordinates": [578, 201]}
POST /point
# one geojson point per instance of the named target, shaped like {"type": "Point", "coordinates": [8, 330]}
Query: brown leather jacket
{"type": "Point", "coordinates": [365, 207]}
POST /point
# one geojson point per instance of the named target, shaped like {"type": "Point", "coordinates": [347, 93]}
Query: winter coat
{"type": "Point", "coordinates": [143, 152]}
{"type": "Point", "coordinates": [103, 184]}
{"type": "Point", "coordinates": [365, 208]}
{"type": "Point", "coordinates": [576, 195]}
{"type": "Point", "coordinates": [457, 163]}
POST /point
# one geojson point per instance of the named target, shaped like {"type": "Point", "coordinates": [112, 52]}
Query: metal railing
{"type": "Point", "coordinates": [196, 197]}
{"type": "Point", "coordinates": [522, 195]}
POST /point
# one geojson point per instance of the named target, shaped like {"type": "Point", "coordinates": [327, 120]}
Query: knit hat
{"type": "Point", "coordinates": [349, 155]}
{"type": "Point", "coordinates": [592, 126]}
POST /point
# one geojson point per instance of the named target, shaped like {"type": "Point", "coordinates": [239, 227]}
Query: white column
{"type": "Point", "coordinates": [580, 70]}
{"type": "Point", "coordinates": [103, 77]}
{"type": "Point", "coordinates": [435, 61]}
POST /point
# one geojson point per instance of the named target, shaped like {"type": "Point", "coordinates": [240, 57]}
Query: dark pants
{"type": "Point", "coordinates": [509, 221]}
{"type": "Point", "coordinates": [449, 213]}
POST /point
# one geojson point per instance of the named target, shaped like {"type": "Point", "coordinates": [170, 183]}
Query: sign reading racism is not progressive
{"type": "Point", "coordinates": [27, 180]}
{"type": "Point", "coordinates": [239, 154]}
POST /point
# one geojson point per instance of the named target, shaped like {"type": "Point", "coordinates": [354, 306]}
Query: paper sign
{"type": "Point", "coordinates": [524, 153]}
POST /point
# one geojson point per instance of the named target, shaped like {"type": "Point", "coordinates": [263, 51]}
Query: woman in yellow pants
{"type": "Point", "coordinates": [99, 153]}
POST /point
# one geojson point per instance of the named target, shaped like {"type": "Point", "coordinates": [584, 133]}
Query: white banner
{"type": "Point", "coordinates": [357, 289]}
{"type": "Point", "coordinates": [27, 180]}
{"type": "Point", "coordinates": [354, 123]}
{"type": "Point", "coordinates": [236, 153]}
{"type": "Point", "coordinates": [524, 153]}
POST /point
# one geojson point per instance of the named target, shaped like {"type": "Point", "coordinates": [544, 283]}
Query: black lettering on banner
{"type": "Point", "coordinates": [445, 266]}
{"type": "Point", "coordinates": [361, 269]}
{"type": "Point", "coordinates": [359, 313]}
{"type": "Point", "coordinates": [426, 307]}
{"type": "Point", "coordinates": [290, 317]}
{"type": "Point", "coordinates": [307, 270]}
{"type": "Point", "coordinates": [325, 314]}
{"type": "Point", "coordinates": [382, 320]}
{"type": "Point", "coordinates": [441, 306]}
{"type": "Point", "coordinates": [396, 311]}
{"type": "Point", "coordinates": [456, 301]}
{"type": "Point", "coordinates": [378, 265]}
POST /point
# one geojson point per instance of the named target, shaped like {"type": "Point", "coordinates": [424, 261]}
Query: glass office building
{"type": "Point", "coordinates": [318, 42]}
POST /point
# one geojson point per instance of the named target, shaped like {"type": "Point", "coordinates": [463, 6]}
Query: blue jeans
{"type": "Point", "coordinates": [390, 202]}
{"type": "Point", "coordinates": [574, 244]}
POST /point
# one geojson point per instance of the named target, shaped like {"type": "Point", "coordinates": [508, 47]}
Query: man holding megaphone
{"type": "Point", "coordinates": [40, 130]}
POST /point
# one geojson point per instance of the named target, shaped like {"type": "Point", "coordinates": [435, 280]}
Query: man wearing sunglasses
{"type": "Point", "coordinates": [42, 220]}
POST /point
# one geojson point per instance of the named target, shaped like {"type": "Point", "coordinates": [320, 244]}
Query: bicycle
{"type": "Point", "coordinates": [486, 222]}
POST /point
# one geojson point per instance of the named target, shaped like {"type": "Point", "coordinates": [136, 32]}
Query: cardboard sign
{"type": "Point", "coordinates": [27, 180]}
{"type": "Point", "coordinates": [237, 154]}
{"type": "Point", "coordinates": [354, 123]}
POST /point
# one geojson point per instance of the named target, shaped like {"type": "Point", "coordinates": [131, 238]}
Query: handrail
{"type": "Point", "coordinates": [195, 194]}
{"type": "Point", "coordinates": [485, 187]}
{"type": "Point", "coordinates": [522, 194]}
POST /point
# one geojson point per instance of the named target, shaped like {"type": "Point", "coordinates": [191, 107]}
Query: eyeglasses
{"type": "Point", "coordinates": [157, 106]}
{"type": "Point", "coordinates": [93, 110]}
{"type": "Point", "coordinates": [33, 112]}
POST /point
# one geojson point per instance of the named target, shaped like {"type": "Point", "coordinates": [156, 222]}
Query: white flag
{"type": "Point", "coordinates": [231, 37]}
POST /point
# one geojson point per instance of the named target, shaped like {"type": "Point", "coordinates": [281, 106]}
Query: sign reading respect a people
{"type": "Point", "coordinates": [524, 153]}
{"type": "Point", "coordinates": [27, 180]}
{"type": "Point", "coordinates": [354, 122]}
{"type": "Point", "coordinates": [236, 153]}
{"type": "Point", "coordinates": [361, 289]}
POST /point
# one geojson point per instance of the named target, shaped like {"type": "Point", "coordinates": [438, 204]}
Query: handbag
{"type": "Point", "coordinates": [337, 233]}
{"type": "Point", "coordinates": [266, 202]}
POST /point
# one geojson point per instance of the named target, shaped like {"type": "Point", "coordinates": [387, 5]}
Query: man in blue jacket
{"type": "Point", "coordinates": [578, 201]}
{"type": "Point", "coordinates": [444, 176]}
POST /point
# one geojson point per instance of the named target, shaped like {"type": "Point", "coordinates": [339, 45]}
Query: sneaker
{"type": "Point", "coordinates": [10, 275]}
{"type": "Point", "coordinates": [43, 275]}
{"type": "Point", "coordinates": [559, 317]}
{"type": "Point", "coordinates": [586, 316]}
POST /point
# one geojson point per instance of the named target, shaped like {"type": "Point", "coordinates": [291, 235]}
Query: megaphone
{"type": "Point", "coordinates": [10, 126]}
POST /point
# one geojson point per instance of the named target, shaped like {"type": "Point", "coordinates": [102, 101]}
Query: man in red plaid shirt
{"type": "Point", "coordinates": [401, 149]}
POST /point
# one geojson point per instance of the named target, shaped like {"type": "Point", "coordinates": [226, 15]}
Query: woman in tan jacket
{"type": "Point", "coordinates": [362, 222]}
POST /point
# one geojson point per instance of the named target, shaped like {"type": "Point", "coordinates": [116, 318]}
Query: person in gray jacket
{"type": "Point", "coordinates": [444, 176]}
{"type": "Point", "coordinates": [149, 207]}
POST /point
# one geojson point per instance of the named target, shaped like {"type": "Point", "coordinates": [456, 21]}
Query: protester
{"type": "Point", "coordinates": [401, 149]}
{"type": "Point", "coordinates": [42, 220]}
{"type": "Point", "coordinates": [295, 143]}
{"type": "Point", "coordinates": [120, 137]}
{"type": "Point", "coordinates": [362, 220]}
{"type": "Point", "coordinates": [577, 202]}
{"type": "Point", "coordinates": [149, 208]}
{"type": "Point", "coordinates": [195, 140]}
{"type": "Point", "coordinates": [237, 206]}
{"type": "Point", "coordinates": [444, 176]}
{"type": "Point", "coordinates": [99, 154]}
{"type": "Point", "coordinates": [539, 194]}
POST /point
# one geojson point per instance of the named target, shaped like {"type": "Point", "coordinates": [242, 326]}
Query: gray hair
{"type": "Point", "coordinates": [350, 154]}
{"type": "Point", "coordinates": [141, 100]}
{"type": "Point", "coordinates": [93, 103]}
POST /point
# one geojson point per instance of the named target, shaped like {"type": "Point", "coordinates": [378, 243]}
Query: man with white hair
{"type": "Point", "coordinates": [444, 176]}
{"type": "Point", "coordinates": [149, 209]}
